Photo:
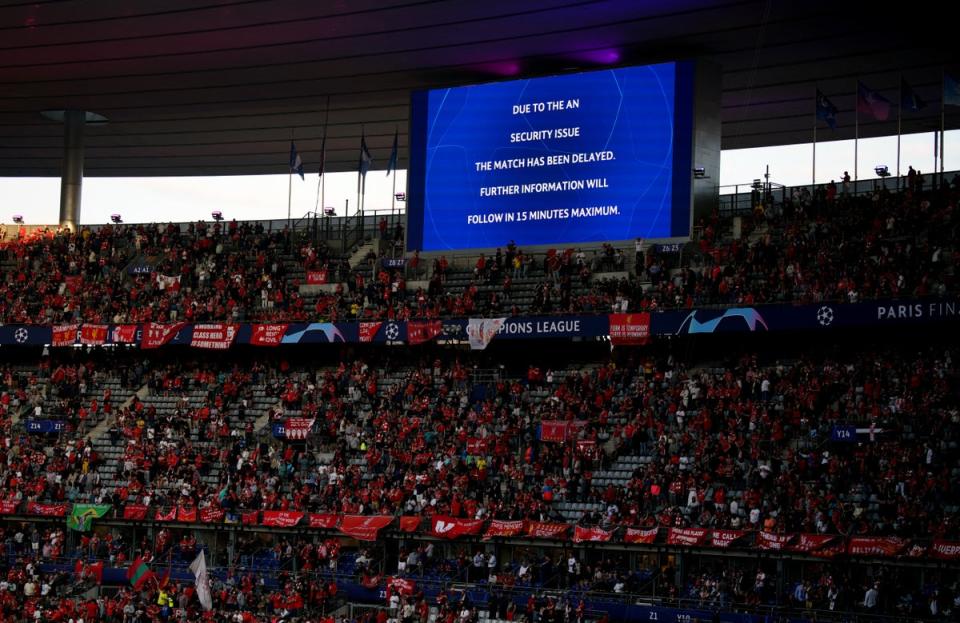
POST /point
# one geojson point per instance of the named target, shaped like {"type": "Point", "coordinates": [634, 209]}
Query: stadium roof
{"type": "Point", "coordinates": [216, 87]}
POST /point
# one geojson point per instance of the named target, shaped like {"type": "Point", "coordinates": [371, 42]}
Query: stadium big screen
{"type": "Point", "coordinates": [578, 158]}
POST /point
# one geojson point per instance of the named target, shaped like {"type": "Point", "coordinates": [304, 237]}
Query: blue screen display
{"type": "Point", "coordinates": [587, 157]}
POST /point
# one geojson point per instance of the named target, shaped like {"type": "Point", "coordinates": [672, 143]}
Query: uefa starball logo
{"type": "Point", "coordinates": [21, 335]}
{"type": "Point", "coordinates": [825, 316]}
{"type": "Point", "coordinates": [392, 331]}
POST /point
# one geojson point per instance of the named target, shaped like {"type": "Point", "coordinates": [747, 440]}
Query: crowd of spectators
{"type": "Point", "coordinates": [806, 248]}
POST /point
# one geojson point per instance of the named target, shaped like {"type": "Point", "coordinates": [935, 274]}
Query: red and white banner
{"type": "Point", "coordinates": [135, 512]}
{"type": "Point", "coordinates": [477, 446]}
{"type": "Point", "coordinates": [8, 507]}
{"type": "Point", "coordinates": [687, 536]}
{"type": "Point", "coordinates": [368, 330]}
{"type": "Point", "coordinates": [875, 546]}
{"type": "Point", "coordinates": [297, 428]}
{"type": "Point", "coordinates": [546, 529]}
{"type": "Point", "coordinates": [95, 334]}
{"type": "Point", "coordinates": [267, 334]}
{"type": "Point", "coordinates": [65, 334]}
{"type": "Point", "coordinates": [554, 430]}
{"type": "Point", "coordinates": [481, 331]}
{"type": "Point", "coordinates": [317, 277]}
{"type": "Point", "coordinates": [168, 515]}
{"type": "Point", "coordinates": [168, 282]}
{"type": "Point", "coordinates": [945, 550]}
{"type": "Point", "coordinates": [214, 336]}
{"type": "Point", "coordinates": [409, 523]}
{"type": "Point", "coordinates": [156, 335]}
{"type": "Point", "coordinates": [629, 329]}
{"type": "Point", "coordinates": [47, 510]}
{"type": "Point", "coordinates": [638, 535]}
{"type": "Point", "coordinates": [212, 514]}
{"type": "Point", "coordinates": [723, 538]}
{"type": "Point", "coordinates": [281, 519]}
{"type": "Point", "coordinates": [364, 527]}
{"type": "Point", "coordinates": [809, 543]}
{"type": "Point", "coordinates": [323, 520]}
{"type": "Point", "coordinates": [501, 528]}
{"type": "Point", "coordinates": [450, 527]}
{"type": "Point", "coordinates": [250, 518]}
{"type": "Point", "coordinates": [584, 535]}
{"type": "Point", "coordinates": [123, 334]}
{"type": "Point", "coordinates": [400, 586]}
{"type": "Point", "coordinates": [769, 540]}
{"type": "Point", "coordinates": [187, 515]}
{"type": "Point", "coordinates": [420, 331]}
{"type": "Point", "coordinates": [74, 283]}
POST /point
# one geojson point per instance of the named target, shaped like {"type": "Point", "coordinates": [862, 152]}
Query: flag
{"type": "Point", "coordinates": [365, 160]}
{"type": "Point", "coordinates": [392, 164]}
{"type": "Point", "coordinates": [826, 110]}
{"type": "Point", "coordinates": [909, 100]}
{"type": "Point", "coordinates": [95, 571]}
{"type": "Point", "coordinates": [199, 569]}
{"type": "Point", "coordinates": [296, 164]}
{"type": "Point", "coordinates": [138, 573]}
{"type": "Point", "coordinates": [951, 91]}
{"type": "Point", "coordinates": [82, 516]}
{"type": "Point", "coordinates": [871, 103]}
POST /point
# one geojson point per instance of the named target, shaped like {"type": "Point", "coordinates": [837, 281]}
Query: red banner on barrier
{"type": "Point", "coordinates": [500, 528]}
{"type": "Point", "coordinates": [723, 538]}
{"type": "Point", "coordinates": [809, 543]}
{"type": "Point", "coordinates": [629, 329]}
{"type": "Point", "coordinates": [419, 331]}
{"type": "Point", "coordinates": [94, 334]}
{"type": "Point", "coordinates": [364, 527]}
{"type": "Point", "coordinates": [582, 535]}
{"type": "Point", "coordinates": [769, 540]}
{"type": "Point", "coordinates": [547, 530]}
{"type": "Point", "coordinates": [945, 550]}
{"type": "Point", "coordinates": [213, 336]}
{"type": "Point", "coordinates": [323, 520]}
{"type": "Point", "coordinates": [267, 334]}
{"type": "Point", "coordinates": [8, 507]}
{"type": "Point", "coordinates": [64, 335]}
{"type": "Point", "coordinates": [637, 535]}
{"type": "Point", "coordinates": [47, 510]}
{"type": "Point", "coordinates": [687, 536]}
{"type": "Point", "coordinates": [250, 518]}
{"type": "Point", "coordinates": [281, 519]}
{"type": "Point", "coordinates": [368, 330]}
{"type": "Point", "coordinates": [169, 515]}
{"type": "Point", "coordinates": [123, 334]}
{"type": "Point", "coordinates": [136, 512]}
{"type": "Point", "coordinates": [450, 527]}
{"type": "Point", "coordinates": [212, 514]}
{"type": "Point", "coordinates": [317, 277]}
{"type": "Point", "coordinates": [409, 523]}
{"type": "Point", "coordinates": [187, 515]}
{"type": "Point", "coordinates": [156, 335]}
{"type": "Point", "coordinates": [875, 546]}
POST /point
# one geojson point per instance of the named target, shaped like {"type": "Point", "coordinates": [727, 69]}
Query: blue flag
{"type": "Point", "coordinates": [826, 110]}
{"type": "Point", "coordinates": [365, 161]}
{"type": "Point", "coordinates": [951, 91]}
{"type": "Point", "coordinates": [392, 164]}
{"type": "Point", "coordinates": [296, 165]}
{"type": "Point", "coordinates": [909, 100]}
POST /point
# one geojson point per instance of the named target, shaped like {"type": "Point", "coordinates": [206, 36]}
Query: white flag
{"type": "Point", "coordinates": [199, 569]}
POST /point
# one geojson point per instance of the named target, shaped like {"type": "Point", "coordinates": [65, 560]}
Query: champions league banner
{"type": "Point", "coordinates": [480, 332]}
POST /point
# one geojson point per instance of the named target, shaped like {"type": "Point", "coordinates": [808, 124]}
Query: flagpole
{"type": "Point", "coordinates": [393, 197]}
{"type": "Point", "coordinates": [813, 181]}
{"type": "Point", "coordinates": [943, 108]}
{"type": "Point", "coordinates": [289, 184]}
{"type": "Point", "coordinates": [899, 121]}
{"type": "Point", "coordinates": [856, 133]}
{"type": "Point", "coordinates": [322, 185]}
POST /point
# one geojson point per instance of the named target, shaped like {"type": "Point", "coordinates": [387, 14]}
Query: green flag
{"type": "Point", "coordinates": [82, 516]}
